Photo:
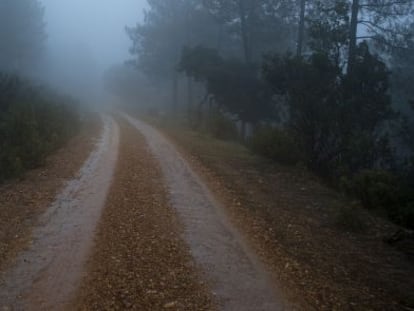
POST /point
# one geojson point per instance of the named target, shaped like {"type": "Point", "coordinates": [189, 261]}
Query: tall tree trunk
{"type": "Point", "coordinates": [189, 95]}
{"type": "Point", "coordinates": [189, 80]}
{"type": "Point", "coordinates": [353, 35]}
{"type": "Point", "coordinates": [174, 92]}
{"type": "Point", "coordinates": [219, 37]}
{"type": "Point", "coordinates": [301, 30]}
{"type": "Point", "coordinates": [244, 31]}
{"type": "Point", "coordinates": [243, 130]}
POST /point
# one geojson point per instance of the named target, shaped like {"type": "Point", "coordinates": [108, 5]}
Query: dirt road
{"type": "Point", "coordinates": [238, 280]}
{"type": "Point", "coordinates": [140, 261]}
{"type": "Point", "coordinates": [45, 276]}
{"type": "Point", "coordinates": [163, 241]}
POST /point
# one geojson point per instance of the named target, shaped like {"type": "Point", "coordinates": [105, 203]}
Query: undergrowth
{"type": "Point", "coordinates": [34, 122]}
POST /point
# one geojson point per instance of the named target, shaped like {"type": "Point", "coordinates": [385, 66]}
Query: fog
{"type": "Point", "coordinates": [298, 114]}
{"type": "Point", "coordinates": [84, 38]}
{"type": "Point", "coordinates": [290, 64]}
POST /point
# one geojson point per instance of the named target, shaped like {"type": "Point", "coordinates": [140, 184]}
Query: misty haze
{"type": "Point", "coordinates": [206, 155]}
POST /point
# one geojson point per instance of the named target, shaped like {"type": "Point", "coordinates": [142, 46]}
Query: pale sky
{"type": "Point", "coordinates": [85, 37]}
{"type": "Point", "coordinates": [97, 25]}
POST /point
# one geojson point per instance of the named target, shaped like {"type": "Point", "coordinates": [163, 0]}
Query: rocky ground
{"type": "Point", "coordinates": [139, 261]}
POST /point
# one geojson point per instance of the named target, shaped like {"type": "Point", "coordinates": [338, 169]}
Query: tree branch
{"type": "Point", "coordinates": [365, 37]}
{"type": "Point", "coordinates": [388, 4]}
{"type": "Point", "coordinates": [383, 41]}
{"type": "Point", "coordinates": [372, 26]}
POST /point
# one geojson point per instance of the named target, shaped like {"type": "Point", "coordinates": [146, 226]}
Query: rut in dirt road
{"type": "Point", "coordinates": [238, 280]}
{"type": "Point", "coordinates": [139, 260]}
{"type": "Point", "coordinates": [46, 275]}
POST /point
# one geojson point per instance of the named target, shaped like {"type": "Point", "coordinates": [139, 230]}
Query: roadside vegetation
{"type": "Point", "coordinates": [326, 250]}
{"type": "Point", "coordinates": [34, 122]}
{"type": "Point", "coordinates": [300, 115]}
{"type": "Point", "coordinates": [320, 84]}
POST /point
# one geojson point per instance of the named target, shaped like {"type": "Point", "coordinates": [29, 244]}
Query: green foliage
{"type": "Point", "coordinates": [222, 127]}
{"type": "Point", "coordinates": [336, 118]}
{"type": "Point", "coordinates": [199, 62]}
{"type": "Point", "coordinates": [366, 90]}
{"type": "Point", "coordinates": [402, 61]}
{"type": "Point", "coordinates": [310, 89]}
{"type": "Point", "coordinates": [335, 101]}
{"type": "Point", "coordinates": [405, 214]}
{"type": "Point", "coordinates": [167, 27]}
{"type": "Point", "coordinates": [33, 123]}
{"type": "Point", "coordinates": [340, 121]}
{"type": "Point", "coordinates": [276, 144]}
{"type": "Point", "coordinates": [329, 28]}
{"type": "Point", "coordinates": [257, 26]}
{"type": "Point", "coordinates": [383, 191]}
{"type": "Point", "coordinates": [235, 86]}
{"type": "Point", "coordinates": [376, 189]}
{"type": "Point", "coordinates": [350, 219]}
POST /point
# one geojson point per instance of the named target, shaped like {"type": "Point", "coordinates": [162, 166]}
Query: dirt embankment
{"type": "Point", "coordinates": [139, 261]}
{"type": "Point", "coordinates": [291, 220]}
{"type": "Point", "coordinates": [23, 200]}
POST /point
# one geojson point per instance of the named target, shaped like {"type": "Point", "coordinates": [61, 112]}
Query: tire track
{"type": "Point", "coordinates": [46, 275]}
{"type": "Point", "coordinates": [140, 261]}
{"type": "Point", "coordinates": [238, 279]}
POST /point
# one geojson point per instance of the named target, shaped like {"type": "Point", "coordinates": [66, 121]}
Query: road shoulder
{"type": "Point", "coordinates": [22, 201]}
{"type": "Point", "coordinates": [289, 218]}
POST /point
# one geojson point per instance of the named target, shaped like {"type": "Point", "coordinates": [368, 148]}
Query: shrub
{"type": "Point", "coordinates": [350, 219]}
{"type": "Point", "coordinates": [221, 126]}
{"type": "Point", "coordinates": [405, 216]}
{"type": "Point", "coordinates": [382, 191]}
{"type": "Point", "coordinates": [33, 123]}
{"type": "Point", "coordinates": [376, 189]}
{"type": "Point", "coordinates": [275, 144]}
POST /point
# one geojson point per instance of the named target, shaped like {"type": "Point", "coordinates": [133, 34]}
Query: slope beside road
{"type": "Point", "coordinates": [327, 253]}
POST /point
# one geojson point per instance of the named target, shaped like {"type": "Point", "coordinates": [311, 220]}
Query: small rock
{"type": "Point", "coordinates": [171, 304]}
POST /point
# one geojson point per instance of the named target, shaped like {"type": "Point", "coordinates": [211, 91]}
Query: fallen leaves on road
{"type": "Point", "coordinates": [290, 218]}
{"type": "Point", "coordinates": [139, 261]}
{"type": "Point", "coordinates": [22, 201]}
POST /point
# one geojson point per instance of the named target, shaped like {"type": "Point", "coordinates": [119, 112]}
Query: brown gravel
{"type": "Point", "coordinates": [290, 218]}
{"type": "Point", "coordinates": [23, 200]}
{"type": "Point", "coordinates": [139, 261]}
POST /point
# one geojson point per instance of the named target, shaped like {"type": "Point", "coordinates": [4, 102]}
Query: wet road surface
{"type": "Point", "coordinates": [238, 280]}
{"type": "Point", "coordinates": [46, 275]}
